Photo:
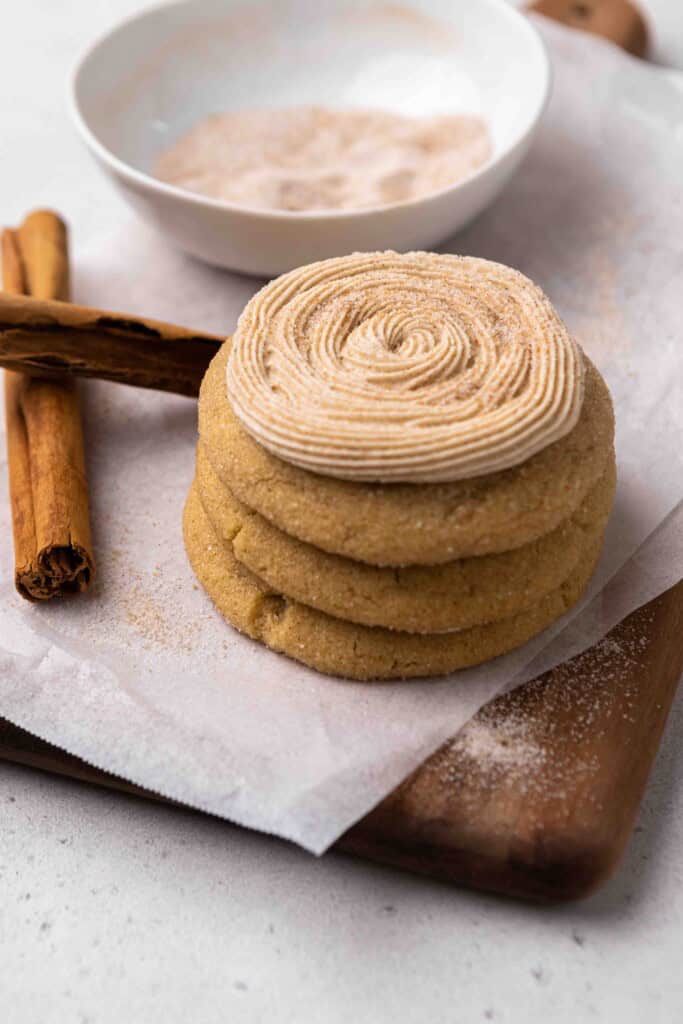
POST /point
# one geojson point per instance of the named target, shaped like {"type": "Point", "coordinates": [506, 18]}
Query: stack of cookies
{"type": "Point", "coordinates": [405, 466]}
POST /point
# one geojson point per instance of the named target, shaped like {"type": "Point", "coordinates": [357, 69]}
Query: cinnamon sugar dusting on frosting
{"type": "Point", "coordinates": [314, 158]}
{"type": "Point", "coordinates": [404, 368]}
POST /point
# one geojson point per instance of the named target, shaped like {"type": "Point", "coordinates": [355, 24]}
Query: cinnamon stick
{"type": "Point", "coordinates": [57, 338]}
{"type": "Point", "coordinates": [48, 489]}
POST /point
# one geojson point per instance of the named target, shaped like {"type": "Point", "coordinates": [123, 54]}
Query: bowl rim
{"type": "Point", "coordinates": [151, 184]}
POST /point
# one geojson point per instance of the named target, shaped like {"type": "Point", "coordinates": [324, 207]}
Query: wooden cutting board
{"type": "Point", "coordinates": [537, 797]}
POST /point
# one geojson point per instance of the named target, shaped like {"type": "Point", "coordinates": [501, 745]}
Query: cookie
{"type": "Point", "coordinates": [342, 648]}
{"type": "Point", "coordinates": [408, 524]}
{"type": "Point", "coordinates": [421, 599]}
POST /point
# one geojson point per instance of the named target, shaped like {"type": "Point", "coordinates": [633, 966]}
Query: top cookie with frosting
{"type": "Point", "coordinates": [405, 524]}
{"type": "Point", "coordinates": [415, 368]}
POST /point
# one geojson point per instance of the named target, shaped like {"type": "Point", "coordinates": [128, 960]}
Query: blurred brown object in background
{"type": "Point", "coordinates": [617, 20]}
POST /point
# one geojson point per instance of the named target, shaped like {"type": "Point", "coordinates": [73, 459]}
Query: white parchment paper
{"type": "Point", "coordinates": [144, 679]}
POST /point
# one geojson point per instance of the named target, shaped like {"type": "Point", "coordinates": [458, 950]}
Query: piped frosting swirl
{"type": "Point", "coordinates": [415, 368]}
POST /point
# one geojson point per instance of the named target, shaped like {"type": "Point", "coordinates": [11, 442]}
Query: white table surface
{"type": "Point", "coordinates": [113, 909]}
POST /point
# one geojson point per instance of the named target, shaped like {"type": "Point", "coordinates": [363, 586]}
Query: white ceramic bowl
{"type": "Point", "coordinates": [151, 78]}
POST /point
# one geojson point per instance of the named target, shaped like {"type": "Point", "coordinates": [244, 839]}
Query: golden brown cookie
{"type": "Point", "coordinates": [343, 648]}
{"type": "Point", "coordinates": [408, 524]}
{"type": "Point", "coordinates": [416, 599]}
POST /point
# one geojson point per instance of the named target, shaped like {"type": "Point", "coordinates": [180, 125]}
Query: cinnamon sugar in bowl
{"type": "Point", "coordinates": [151, 79]}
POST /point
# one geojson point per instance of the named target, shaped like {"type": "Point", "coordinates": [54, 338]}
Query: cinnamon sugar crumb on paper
{"type": "Point", "coordinates": [154, 621]}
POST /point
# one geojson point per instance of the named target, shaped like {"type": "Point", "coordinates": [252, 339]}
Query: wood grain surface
{"type": "Point", "coordinates": [541, 802]}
